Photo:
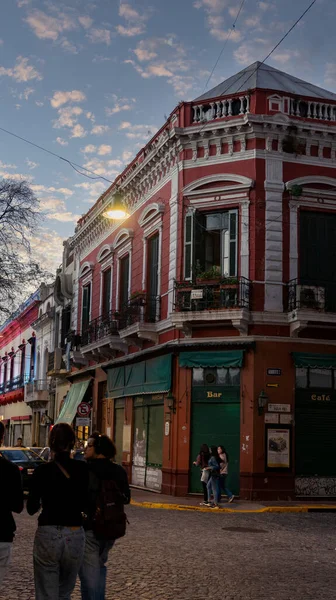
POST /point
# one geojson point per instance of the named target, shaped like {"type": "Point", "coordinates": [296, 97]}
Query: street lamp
{"type": "Point", "coordinates": [262, 401]}
{"type": "Point", "coordinates": [117, 211]}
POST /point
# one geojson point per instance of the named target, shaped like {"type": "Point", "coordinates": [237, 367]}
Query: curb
{"type": "Point", "coordinates": [266, 509]}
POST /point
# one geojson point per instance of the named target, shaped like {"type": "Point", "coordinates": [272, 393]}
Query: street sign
{"type": "Point", "coordinates": [84, 409]}
{"type": "Point", "coordinates": [279, 408]}
{"type": "Point", "coordinates": [196, 295]}
{"type": "Point", "coordinates": [83, 422]}
{"type": "Point", "coordinates": [274, 372]}
{"type": "Point", "coordinates": [271, 418]}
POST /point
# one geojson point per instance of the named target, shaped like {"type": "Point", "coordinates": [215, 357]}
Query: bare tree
{"type": "Point", "coordinates": [19, 218]}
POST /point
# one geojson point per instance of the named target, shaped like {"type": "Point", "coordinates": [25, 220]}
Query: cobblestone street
{"type": "Point", "coordinates": [173, 555]}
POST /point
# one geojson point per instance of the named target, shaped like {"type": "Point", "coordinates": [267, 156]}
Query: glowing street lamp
{"type": "Point", "coordinates": [117, 211]}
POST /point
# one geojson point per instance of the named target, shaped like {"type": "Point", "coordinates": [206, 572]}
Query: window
{"type": "Point", "coordinates": [32, 342]}
{"type": "Point", "coordinates": [301, 378]}
{"type": "Point", "coordinates": [86, 306]}
{"type": "Point", "coordinates": [152, 277]}
{"type": "Point", "coordinates": [211, 244]}
{"type": "Point", "coordinates": [124, 280]}
{"type": "Point", "coordinates": [66, 324]}
{"type": "Point", "coordinates": [23, 358]}
{"type": "Point", "coordinates": [216, 376]}
{"type": "Point", "coordinates": [5, 373]}
{"type": "Point", "coordinates": [11, 376]}
{"type": "Point", "coordinates": [106, 292]}
{"type": "Point", "coordinates": [315, 378]}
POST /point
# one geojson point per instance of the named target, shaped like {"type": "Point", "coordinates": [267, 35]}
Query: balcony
{"type": "Point", "coordinates": [311, 305]}
{"type": "Point", "coordinates": [101, 337]}
{"type": "Point", "coordinates": [212, 303]}
{"type": "Point", "coordinates": [138, 319]}
{"type": "Point", "coordinates": [37, 393]}
{"type": "Point", "coordinates": [13, 384]}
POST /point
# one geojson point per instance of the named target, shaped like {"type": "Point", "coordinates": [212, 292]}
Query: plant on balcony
{"type": "Point", "coordinates": [138, 297]}
{"type": "Point", "coordinates": [229, 282]}
{"type": "Point", "coordinates": [213, 275]}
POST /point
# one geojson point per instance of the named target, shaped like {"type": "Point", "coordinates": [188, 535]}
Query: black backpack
{"type": "Point", "coordinates": [109, 520]}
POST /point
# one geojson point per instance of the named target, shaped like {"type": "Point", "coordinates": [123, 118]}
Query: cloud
{"type": "Point", "coordinates": [285, 56]}
{"type": "Point", "coordinates": [39, 103]}
{"type": "Point", "coordinates": [127, 156]}
{"type": "Point", "coordinates": [38, 188]}
{"type": "Point", "coordinates": [22, 71]}
{"type": "Point", "coordinates": [125, 125]}
{"type": "Point", "coordinates": [67, 116]}
{"type": "Point", "coordinates": [47, 247]}
{"type": "Point", "coordinates": [69, 46]}
{"type": "Point", "coordinates": [59, 98]}
{"type": "Point", "coordinates": [249, 52]}
{"type": "Point", "coordinates": [213, 6]}
{"type": "Point", "coordinates": [265, 5]}
{"type": "Point", "coordinates": [107, 168]}
{"type": "Point", "coordinates": [94, 189]}
{"type": "Point", "coordinates": [89, 149]}
{"type": "Point", "coordinates": [100, 36]}
{"type": "Point", "coordinates": [78, 131]}
{"type": "Point", "coordinates": [129, 13]}
{"type": "Point", "coordinates": [85, 21]}
{"type": "Point", "coordinates": [130, 31]}
{"type": "Point", "coordinates": [89, 115]}
{"type": "Point", "coordinates": [104, 149]}
{"type": "Point", "coordinates": [16, 176]}
{"type": "Point", "coordinates": [56, 210]}
{"type": "Point", "coordinates": [61, 141]}
{"type": "Point", "coordinates": [7, 165]}
{"type": "Point", "coordinates": [120, 104]}
{"type": "Point", "coordinates": [47, 27]}
{"type": "Point", "coordinates": [145, 50]}
{"type": "Point", "coordinates": [330, 74]}
{"type": "Point", "coordinates": [137, 131]}
{"type": "Point", "coordinates": [99, 129]}
{"type": "Point", "coordinates": [31, 164]}
{"type": "Point", "coordinates": [64, 217]}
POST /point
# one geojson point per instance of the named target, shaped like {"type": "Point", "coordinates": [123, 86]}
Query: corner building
{"type": "Point", "coordinates": [209, 314]}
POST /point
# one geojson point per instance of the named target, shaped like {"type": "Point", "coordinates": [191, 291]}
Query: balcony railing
{"type": "Point", "coordinates": [13, 384]}
{"type": "Point", "coordinates": [305, 295]}
{"type": "Point", "coordinates": [213, 296]}
{"type": "Point", "coordinates": [39, 385]}
{"type": "Point", "coordinates": [100, 328]}
{"type": "Point", "coordinates": [142, 309]}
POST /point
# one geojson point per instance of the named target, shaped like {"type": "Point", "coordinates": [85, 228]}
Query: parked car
{"type": "Point", "coordinates": [37, 450]}
{"type": "Point", "coordinates": [25, 459]}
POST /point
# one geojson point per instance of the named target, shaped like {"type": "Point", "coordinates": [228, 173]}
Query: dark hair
{"type": "Point", "coordinates": [214, 453]}
{"type": "Point", "coordinates": [204, 455]}
{"type": "Point", "coordinates": [103, 445]}
{"type": "Point", "coordinates": [61, 438]}
{"type": "Point", "coordinates": [2, 431]}
{"type": "Point", "coordinates": [224, 451]}
{"type": "Point", "coordinates": [19, 438]}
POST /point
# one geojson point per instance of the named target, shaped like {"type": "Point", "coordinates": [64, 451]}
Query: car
{"type": "Point", "coordinates": [25, 459]}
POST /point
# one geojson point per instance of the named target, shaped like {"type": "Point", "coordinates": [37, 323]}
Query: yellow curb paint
{"type": "Point", "coordinates": [265, 509]}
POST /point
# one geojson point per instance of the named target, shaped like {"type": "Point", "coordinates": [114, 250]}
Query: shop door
{"type": "Point", "coordinates": [215, 421]}
{"type": "Point", "coordinates": [119, 418]}
{"type": "Point", "coordinates": [148, 445]}
{"type": "Point", "coordinates": [27, 434]}
{"type": "Point", "coordinates": [315, 443]}
{"type": "Point", "coordinates": [16, 433]}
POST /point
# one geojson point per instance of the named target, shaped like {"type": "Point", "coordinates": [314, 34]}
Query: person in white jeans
{"type": "Point", "coordinates": [11, 500]}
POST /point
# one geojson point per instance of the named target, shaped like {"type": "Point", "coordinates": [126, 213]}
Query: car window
{"type": "Point", "coordinates": [19, 455]}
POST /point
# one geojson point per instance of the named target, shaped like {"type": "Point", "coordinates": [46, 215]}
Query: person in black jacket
{"type": "Point", "coordinates": [99, 453]}
{"type": "Point", "coordinates": [61, 487]}
{"type": "Point", "coordinates": [11, 500]}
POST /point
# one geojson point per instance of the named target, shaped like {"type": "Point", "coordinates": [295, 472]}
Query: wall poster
{"type": "Point", "coordinates": [278, 447]}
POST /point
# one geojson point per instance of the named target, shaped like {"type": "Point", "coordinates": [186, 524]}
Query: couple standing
{"type": "Point", "coordinates": [214, 463]}
{"type": "Point", "coordinates": [70, 493]}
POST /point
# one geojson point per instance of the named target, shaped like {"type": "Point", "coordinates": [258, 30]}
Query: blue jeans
{"type": "Point", "coordinates": [213, 488]}
{"type": "Point", "coordinates": [5, 552]}
{"type": "Point", "coordinates": [222, 486]}
{"type": "Point", "coordinates": [93, 570]}
{"type": "Point", "coordinates": [58, 554]}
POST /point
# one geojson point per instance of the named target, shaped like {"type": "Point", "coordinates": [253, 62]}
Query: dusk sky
{"type": "Point", "coordinates": [93, 80]}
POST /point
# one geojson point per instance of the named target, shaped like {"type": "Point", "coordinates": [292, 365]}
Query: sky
{"type": "Point", "coordinates": [92, 80]}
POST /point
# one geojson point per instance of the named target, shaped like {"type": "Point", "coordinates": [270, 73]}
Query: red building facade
{"type": "Point", "coordinates": [209, 314]}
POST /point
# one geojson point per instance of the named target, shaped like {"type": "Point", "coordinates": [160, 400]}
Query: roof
{"type": "Point", "coordinates": [262, 76]}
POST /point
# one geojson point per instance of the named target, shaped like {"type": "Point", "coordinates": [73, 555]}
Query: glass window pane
{"type": "Point", "coordinates": [187, 261]}
{"type": "Point", "coordinates": [234, 376]}
{"type": "Point", "coordinates": [233, 263]}
{"type": "Point", "coordinates": [198, 376]}
{"type": "Point", "coordinates": [320, 378]}
{"type": "Point", "coordinates": [188, 228]}
{"type": "Point", "coordinates": [223, 376]}
{"type": "Point", "coordinates": [301, 378]}
{"type": "Point", "coordinates": [233, 225]}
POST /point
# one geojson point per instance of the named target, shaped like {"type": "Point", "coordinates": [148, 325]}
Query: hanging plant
{"type": "Point", "coordinates": [296, 191]}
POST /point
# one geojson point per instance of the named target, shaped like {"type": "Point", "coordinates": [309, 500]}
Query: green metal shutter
{"type": "Point", "coordinates": [155, 436]}
{"type": "Point", "coordinates": [119, 417]}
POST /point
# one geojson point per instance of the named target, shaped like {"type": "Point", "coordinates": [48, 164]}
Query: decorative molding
{"type": "Point", "coordinates": [86, 268]}
{"type": "Point", "coordinates": [312, 179]}
{"type": "Point", "coordinates": [244, 181]}
{"type": "Point", "coordinates": [122, 237]}
{"type": "Point", "coordinates": [104, 252]}
{"type": "Point", "coordinates": [150, 212]}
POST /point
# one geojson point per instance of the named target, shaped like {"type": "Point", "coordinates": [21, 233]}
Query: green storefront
{"type": "Point", "coordinates": [146, 382]}
{"type": "Point", "coordinates": [215, 410]}
{"type": "Point", "coordinates": [315, 424]}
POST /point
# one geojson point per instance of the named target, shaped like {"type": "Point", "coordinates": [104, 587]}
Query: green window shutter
{"type": "Point", "coordinates": [230, 358]}
{"type": "Point", "coordinates": [153, 266]}
{"type": "Point", "coordinates": [119, 417]}
{"type": "Point", "coordinates": [124, 281]}
{"type": "Point", "coordinates": [86, 306]}
{"type": "Point", "coordinates": [155, 435]}
{"type": "Point", "coordinates": [188, 245]}
{"type": "Point", "coordinates": [106, 305]}
{"type": "Point", "coordinates": [233, 242]}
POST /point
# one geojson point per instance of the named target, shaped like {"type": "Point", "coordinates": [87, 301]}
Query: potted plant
{"type": "Point", "coordinates": [138, 297]}
{"type": "Point", "coordinates": [210, 277]}
{"type": "Point", "coordinates": [229, 282]}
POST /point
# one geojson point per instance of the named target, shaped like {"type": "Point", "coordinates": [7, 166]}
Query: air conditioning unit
{"type": "Point", "coordinates": [57, 359]}
{"type": "Point", "coordinates": [310, 297]}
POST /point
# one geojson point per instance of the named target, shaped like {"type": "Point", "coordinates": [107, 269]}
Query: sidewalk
{"type": "Point", "coordinates": [148, 499]}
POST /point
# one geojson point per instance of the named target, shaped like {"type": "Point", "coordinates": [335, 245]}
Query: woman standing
{"type": "Point", "coordinates": [224, 470]}
{"type": "Point", "coordinates": [202, 461]}
{"type": "Point", "coordinates": [61, 487]}
{"type": "Point", "coordinates": [213, 483]}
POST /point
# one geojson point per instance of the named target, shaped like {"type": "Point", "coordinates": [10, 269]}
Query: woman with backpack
{"type": "Point", "coordinates": [213, 483]}
{"type": "Point", "coordinates": [202, 461]}
{"type": "Point", "coordinates": [224, 470]}
{"type": "Point", "coordinates": [106, 519]}
{"type": "Point", "coordinates": [61, 488]}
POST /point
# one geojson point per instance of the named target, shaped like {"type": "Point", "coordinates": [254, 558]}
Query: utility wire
{"type": "Point", "coordinates": [225, 43]}
{"type": "Point", "coordinates": [69, 162]}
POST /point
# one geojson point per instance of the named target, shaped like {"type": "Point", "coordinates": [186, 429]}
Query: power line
{"type": "Point", "coordinates": [69, 162]}
{"type": "Point", "coordinates": [225, 43]}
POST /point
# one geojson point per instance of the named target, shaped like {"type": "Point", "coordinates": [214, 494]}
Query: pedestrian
{"type": "Point", "coordinates": [213, 483]}
{"type": "Point", "coordinates": [202, 461]}
{"type": "Point", "coordinates": [19, 442]}
{"type": "Point", "coordinates": [11, 500]}
{"type": "Point", "coordinates": [224, 471]}
{"type": "Point", "coordinates": [108, 487]}
{"type": "Point", "coordinates": [61, 487]}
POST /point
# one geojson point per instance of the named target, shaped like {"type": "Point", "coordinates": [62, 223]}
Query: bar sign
{"type": "Point", "coordinates": [274, 372]}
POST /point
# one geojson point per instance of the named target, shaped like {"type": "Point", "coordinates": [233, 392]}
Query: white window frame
{"type": "Point", "coordinates": [128, 249]}
{"type": "Point", "coordinates": [107, 266]}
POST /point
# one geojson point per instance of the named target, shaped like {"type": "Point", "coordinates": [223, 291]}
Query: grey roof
{"type": "Point", "coordinates": [262, 76]}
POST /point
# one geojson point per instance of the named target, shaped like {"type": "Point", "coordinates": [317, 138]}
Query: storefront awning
{"type": "Point", "coordinates": [74, 398]}
{"type": "Point", "coordinates": [152, 376]}
{"type": "Point", "coordinates": [314, 361]}
{"type": "Point", "coordinates": [232, 358]}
